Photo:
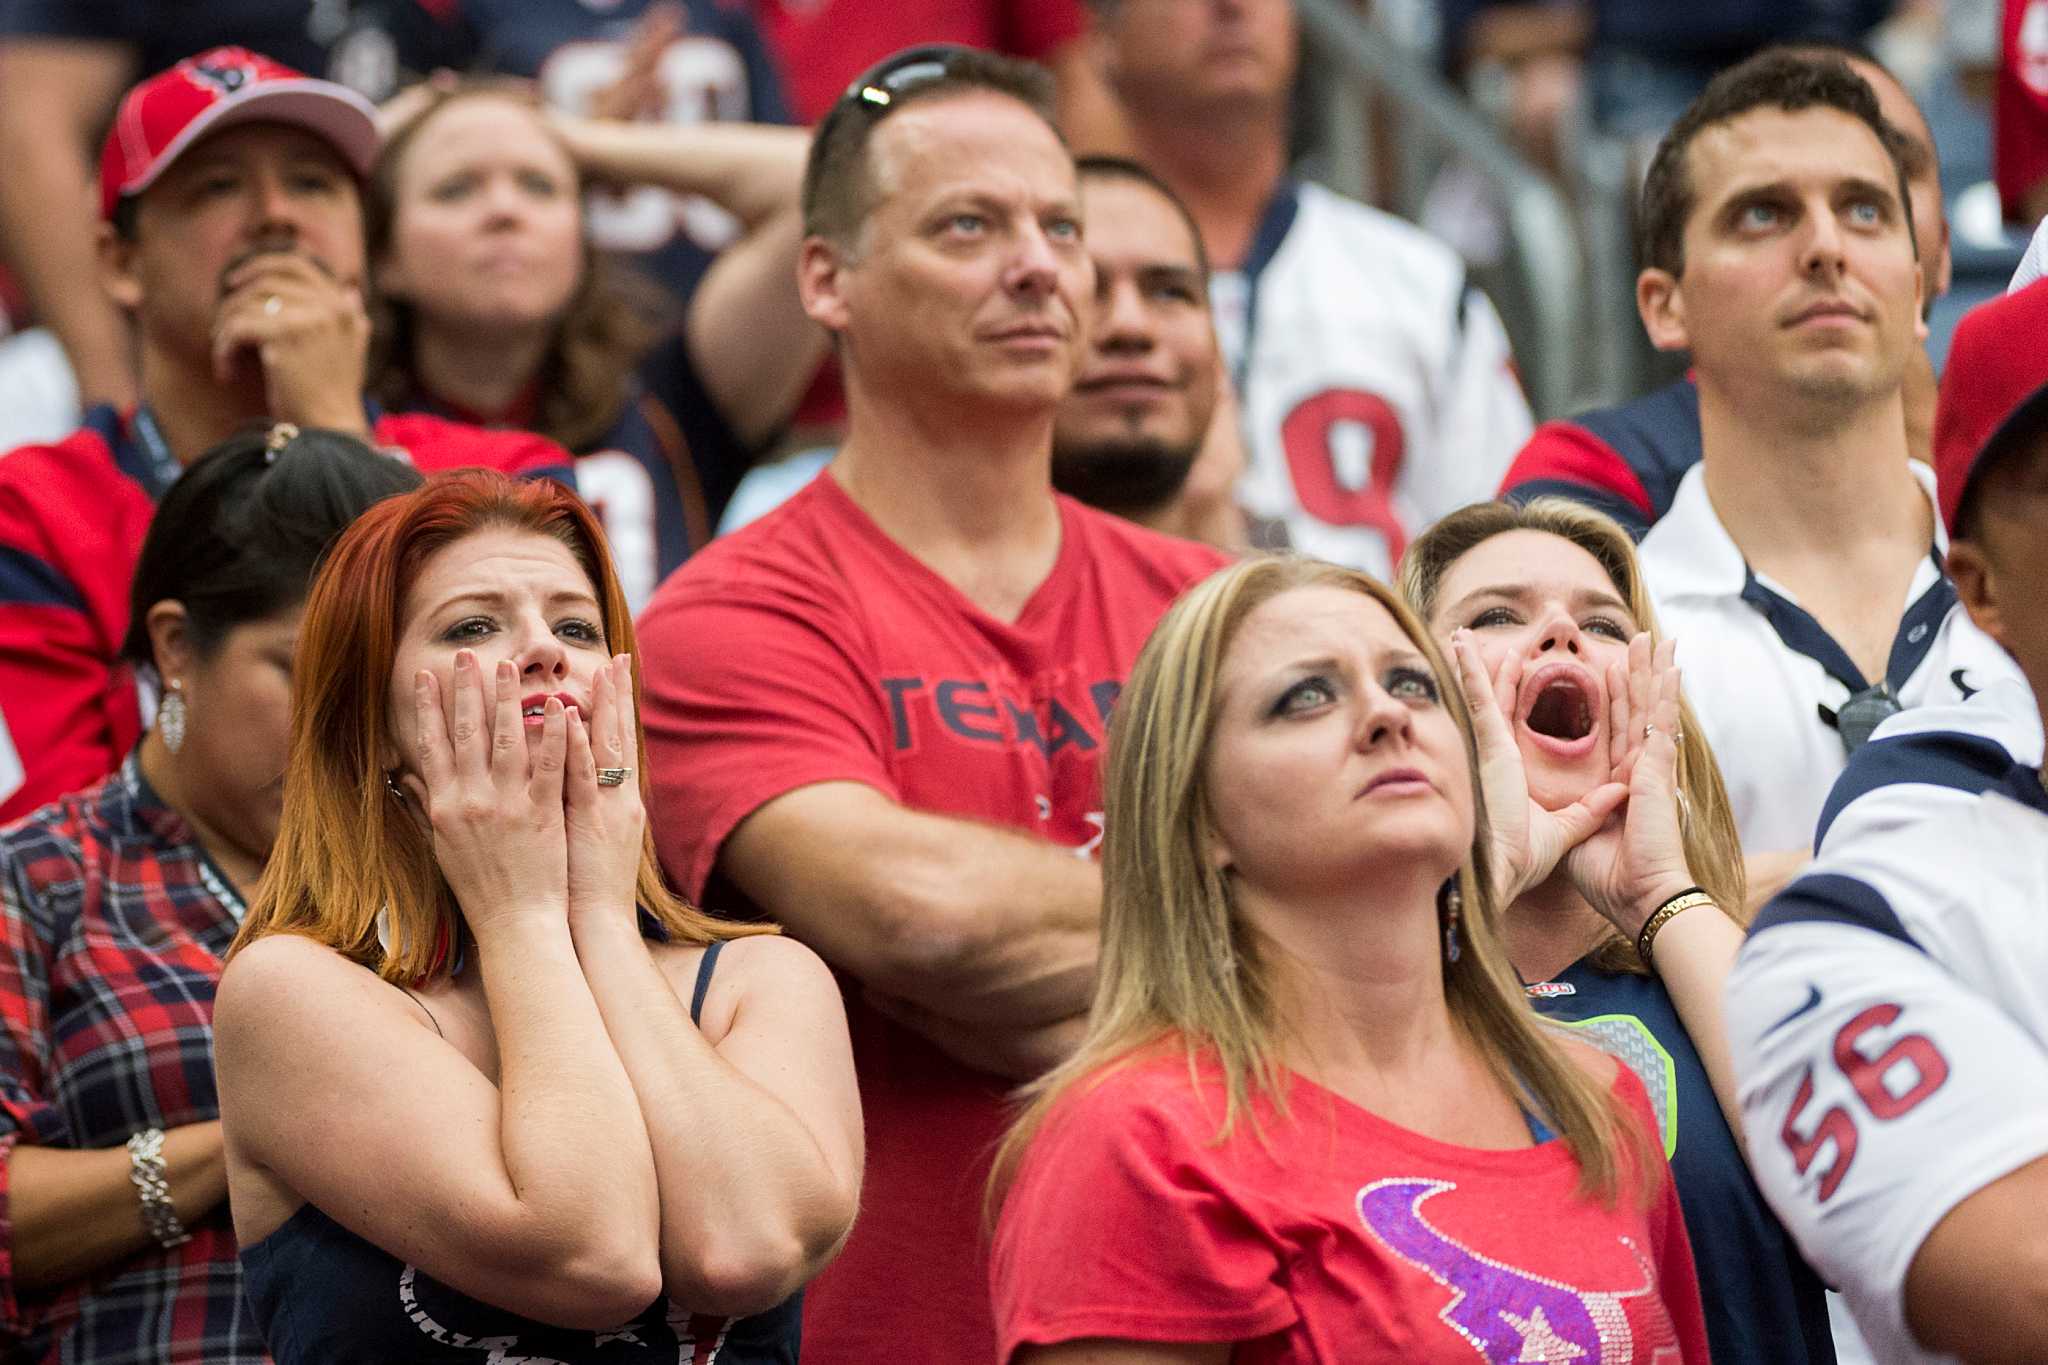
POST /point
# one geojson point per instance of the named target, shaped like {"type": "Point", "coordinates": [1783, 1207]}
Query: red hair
{"type": "Point", "coordinates": [346, 849]}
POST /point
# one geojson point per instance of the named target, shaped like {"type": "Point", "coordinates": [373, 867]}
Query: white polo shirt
{"type": "Point", "coordinates": [1765, 678]}
{"type": "Point", "coordinates": [1888, 1020]}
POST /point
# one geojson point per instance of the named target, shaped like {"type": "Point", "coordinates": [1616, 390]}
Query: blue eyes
{"type": "Point", "coordinates": [1315, 692]}
{"type": "Point", "coordinates": [1592, 625]}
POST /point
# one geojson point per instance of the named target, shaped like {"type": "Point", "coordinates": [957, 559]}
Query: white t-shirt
{"type": "Point", "coordinates": [1376, 386]}
{"type": "Point", "coordinates": [1762, 674]}
{"type": "Point", "coordinates": [1889, 1022]}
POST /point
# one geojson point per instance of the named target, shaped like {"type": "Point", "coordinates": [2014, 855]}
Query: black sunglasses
{"type": "Point", "coordinates": [874, 92]}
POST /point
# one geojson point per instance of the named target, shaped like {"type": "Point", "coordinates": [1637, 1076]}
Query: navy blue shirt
{"type": "Point", "coordinates": [1763, 1303]}
{"type": "Point", "coordinates": [1709, 35]}
{"type": "Point", "coordinates": [165, 32]}
{"type": "Point", "coordinates": [718, 69]}
{"type": "Point", "coordinates": [328, 1297]}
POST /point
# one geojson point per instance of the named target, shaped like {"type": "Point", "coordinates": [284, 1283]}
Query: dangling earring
{"type": "Point", "coordinates": [170, 716]}
{"type": "Point", "coordinates": [1450, 907]}
{"type": "Point", "coordinates": [391, 787]}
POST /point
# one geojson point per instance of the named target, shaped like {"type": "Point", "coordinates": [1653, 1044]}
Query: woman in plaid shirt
{"type": "Point", "coordinates": [117, 904]}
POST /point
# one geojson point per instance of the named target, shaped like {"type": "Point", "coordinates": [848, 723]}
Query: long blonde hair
{"type": "Point", "coordinates": [1713, 847]}
{"type": "Point", "coordinates": [1180, 967]}
{"type": "Point", "coordinates": [346, 849]}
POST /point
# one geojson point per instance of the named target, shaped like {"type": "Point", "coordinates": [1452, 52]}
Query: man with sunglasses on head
{"type": "Point", "coordinates": [879, 711]}
{"type": "Point", "coordinates": [232, 235]}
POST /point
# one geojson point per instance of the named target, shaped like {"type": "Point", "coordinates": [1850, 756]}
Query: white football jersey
{"type": "Point", "coordinates": [1889, 1022]}
{"type": "Point", "coordinates": [1376, 385]}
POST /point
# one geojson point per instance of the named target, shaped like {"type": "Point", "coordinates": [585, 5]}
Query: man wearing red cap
{"type": "Point", "coordinates": [232, 233]}
{"type": "Point", "coordinates": [1889, 1013]}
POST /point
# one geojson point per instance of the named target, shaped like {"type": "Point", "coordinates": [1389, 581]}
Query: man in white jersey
{"type": "Point", "coordinates": [1800, 564]}
{"type": "Point", "coordinates": [1375, 382]}
{"type": "Point", "coordinates": [1889, 1013]}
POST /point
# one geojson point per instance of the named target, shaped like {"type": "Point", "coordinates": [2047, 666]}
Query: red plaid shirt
{"type": "Point", "coordinates": [112, 928]}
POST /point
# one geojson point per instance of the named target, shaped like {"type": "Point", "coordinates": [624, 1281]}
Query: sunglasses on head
{"type": "Point", "coordinates": [874, 92]}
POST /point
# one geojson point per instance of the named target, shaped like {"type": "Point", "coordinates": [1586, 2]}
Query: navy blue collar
{"type": "Point", "coordinates": [1804, 635]}
{"type": "Point", "coordinates": [1273, 227]}
{"type": "Point", "coordinates": [142, 453]}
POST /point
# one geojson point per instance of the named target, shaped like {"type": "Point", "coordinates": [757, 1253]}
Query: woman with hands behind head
{"type": "Point", "coordinates": [1312, 1118]}
{"type": "Point", "coordinates": [480, 1083]}
{"type": "Point", "coordinates": [1616, 852]}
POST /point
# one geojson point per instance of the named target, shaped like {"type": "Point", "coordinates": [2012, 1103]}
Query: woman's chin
{"type": "Point", "coordinates": [1554, 785]}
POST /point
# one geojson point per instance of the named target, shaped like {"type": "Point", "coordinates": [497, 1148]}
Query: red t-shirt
{"type": "Point", "coordinates": [809, 647]}
{"type": "Point", "coordinates": [823, 44]}
{"type": "Point", "coordinates": [2020, 116]}
{"type": "Point", "coordinates": [1347, 1239]}
{"type": "Point", "coordinates": [72, 519]}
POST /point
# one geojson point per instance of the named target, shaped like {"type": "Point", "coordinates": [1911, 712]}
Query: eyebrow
{"type": "Point", "coordinates": [1782, 188]}
{"type": "Point", "coordinates": [1522, 595]}
{"type": "Point", "coordinates": [561, 596]}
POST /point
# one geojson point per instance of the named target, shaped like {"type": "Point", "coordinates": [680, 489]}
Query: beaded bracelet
{"type": "Point", "coordinates": [146, 1170]}
{"type": "Point", "coordinates": [1664, 914]}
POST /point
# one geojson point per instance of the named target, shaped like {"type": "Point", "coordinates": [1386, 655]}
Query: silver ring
{"type": "Point", "coordinates": [613, 777]}
{"type": "Point", "coordinates": [271, 305]}
{"type": "Point", "coordinates": [1649, 729]}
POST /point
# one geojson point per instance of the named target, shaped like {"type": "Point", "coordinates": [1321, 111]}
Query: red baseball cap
{"type": "Point", "coordinates": [163, 116]}
{"type": "Point", "coordinates": [1994, 390]}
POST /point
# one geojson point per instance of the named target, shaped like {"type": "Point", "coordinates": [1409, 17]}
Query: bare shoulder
{"type": "Point", "coordinates": [757, 967]}
{"type": "Point", "coordinates": [284, 983]}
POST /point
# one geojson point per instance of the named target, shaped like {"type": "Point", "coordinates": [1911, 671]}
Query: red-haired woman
{"type": "Point", "coordinates": [480, 1083]}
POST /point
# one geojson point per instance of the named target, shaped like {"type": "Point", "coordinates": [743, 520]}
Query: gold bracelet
{"type": "Point", "coordinates": [1665, 913]}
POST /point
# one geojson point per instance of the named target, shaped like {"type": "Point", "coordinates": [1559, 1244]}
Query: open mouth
{"type": "Point", "coordinates": [1562, 711]}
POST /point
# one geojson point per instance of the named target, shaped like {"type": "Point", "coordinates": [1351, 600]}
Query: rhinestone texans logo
{"type": "Point", "coordinates": [1510, 1316]}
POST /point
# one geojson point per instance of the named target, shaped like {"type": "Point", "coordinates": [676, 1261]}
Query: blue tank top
{"type": "Point", "coordinates": [324, 1296]}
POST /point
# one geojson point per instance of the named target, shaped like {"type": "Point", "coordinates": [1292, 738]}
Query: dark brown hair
{"type": "Point", "coordinates": [1773, 79]}
{"type": "Point", "coordinates": [838, 189]}
{"type": "Point", "coordinates": [611, 321]}
{"type": "Point", "coordinates": [1136, 172]}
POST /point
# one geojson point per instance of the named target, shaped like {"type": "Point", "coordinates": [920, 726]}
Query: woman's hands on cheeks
{"type": "Point", "coordinates": [606, 825]}
{"type": "Point", "coordinates": [1528, 840]}
{"type": "Point", "coordinates": [493, 802]}
{"type": "Point", "coordinates": [1635, 860]}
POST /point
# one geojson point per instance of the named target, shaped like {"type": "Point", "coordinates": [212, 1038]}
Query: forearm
{"type": "Point", "coordinates": [47, 227]}
{"type": "Point", "coordinates": [56, 91]}
{"type": "Point", "coordinates": [749, 170]}
{"type": "Point", "coordinates": [751, 1205]}
{"type": "Point", "coordinates": [1000, 929]}
{"type": "Point", "coordinates": [575, 1149]}
{"type": "Point", "coordinates": [1694, 953]}
{"type": "Point", "coordinates": [77, 1212]}
{"type": "Point", "coordinates": [1766, 874]}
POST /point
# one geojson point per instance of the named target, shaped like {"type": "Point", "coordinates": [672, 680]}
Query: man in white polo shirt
{"type": "Point", "coordinates": [1888, 1016]}
{"type": "Point", "coordinates": [1800, 565]}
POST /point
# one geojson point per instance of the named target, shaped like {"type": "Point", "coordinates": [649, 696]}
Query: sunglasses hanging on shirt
{"type": "Point", "coordinates": [1863, 712]}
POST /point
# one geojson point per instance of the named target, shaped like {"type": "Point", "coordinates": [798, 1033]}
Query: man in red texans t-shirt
{"type": "Point", "coordinates": [878, 713]}
{"type": "Point", "coordinates": [232, 235]}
